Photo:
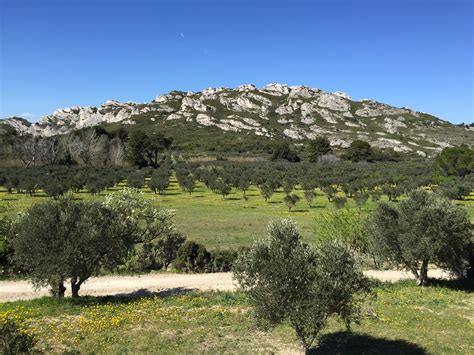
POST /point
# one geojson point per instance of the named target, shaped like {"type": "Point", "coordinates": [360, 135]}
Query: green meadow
{"type": "Point", "coordinates": [208, 218]}
{"type": "Point", "coordinates": [400, 319]}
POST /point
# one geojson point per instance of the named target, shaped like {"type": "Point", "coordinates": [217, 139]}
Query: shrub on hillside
{"type": "Point", "coordinates": [458, 161]}
{"type": "Point", "coordinates": [283, 151]}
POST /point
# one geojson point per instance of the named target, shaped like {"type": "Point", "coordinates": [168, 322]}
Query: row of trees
{"type": "Point", "coordinates": [88, 147]}
{"type": "Point", "coordinates": [97, 146]}
{"type": "Point", "coordinates": [356, 180]}
{"type": "Point", "coordinates": [318, 150]}
{"type": "Point", "coordinates": [286, 279]}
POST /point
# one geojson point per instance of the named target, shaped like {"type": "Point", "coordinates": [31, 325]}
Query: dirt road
{"type": "Point", "coordinates": [149, 284]}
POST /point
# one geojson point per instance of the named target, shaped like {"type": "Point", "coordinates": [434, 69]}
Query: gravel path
{"type": "Point", "coordinates": [153, 283]}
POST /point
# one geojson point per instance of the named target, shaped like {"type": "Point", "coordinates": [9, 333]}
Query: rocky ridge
{"type": "Point", "coordinates": [275, 110]}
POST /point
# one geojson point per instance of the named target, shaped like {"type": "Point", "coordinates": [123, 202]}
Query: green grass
{"type": "Point", "coordinates": [207, 218]}
{"type": "Point", "coordinates": [404, 318]}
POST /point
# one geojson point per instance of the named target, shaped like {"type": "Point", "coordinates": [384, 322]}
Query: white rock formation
{"type": "Point", "coordinates": [333, 102]}
{"type": "Point", "coordinates": [205, 120]}
{"type": "Point", "coordinates": [276, 89]}
{"type": "Point", "coordinates": [294, 111]}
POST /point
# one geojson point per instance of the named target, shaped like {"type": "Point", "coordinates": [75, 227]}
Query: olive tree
{"type": "Point", "coordinates": [160, 181]}
{"type": "Point", "coordinates": [67, 240]}
{"type": "Point", "coordinates": [60, 240]}
{"type": "Point", "coordinates": [266, 191]}
{"type": "Point", "coordinates": [291, 200]}
{"type": "Point", "coordinates": [425, 228]}
{"type": "Point", "coordinates": [288, 281]}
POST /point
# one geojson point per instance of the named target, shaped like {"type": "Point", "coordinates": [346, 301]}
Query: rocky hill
{"type": "Point", "coordinates": [273, 111]}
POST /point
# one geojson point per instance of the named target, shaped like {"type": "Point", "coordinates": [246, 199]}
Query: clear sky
{"type": "Point", "coordinates": [413, 53]}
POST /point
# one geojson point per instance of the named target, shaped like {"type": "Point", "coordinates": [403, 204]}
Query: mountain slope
{"type": "Point", "coordinates": [274, 111]}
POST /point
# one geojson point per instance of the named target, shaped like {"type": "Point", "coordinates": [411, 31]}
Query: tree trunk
{"type": "Point", "coordinates": [76, 286]}
{"type": "Point", "coordinates": [423, 275]}
{"type": "Point", "coordinates": [59, 291]}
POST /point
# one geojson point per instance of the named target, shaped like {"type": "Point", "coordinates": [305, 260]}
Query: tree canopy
{"type": "Point", "coordinates": [457, 161]}
{"type": "Point", "coordinates": [425, 228]}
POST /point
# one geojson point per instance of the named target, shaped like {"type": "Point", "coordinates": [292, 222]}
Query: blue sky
{"type": "Point", "coordinates": [413, 53]}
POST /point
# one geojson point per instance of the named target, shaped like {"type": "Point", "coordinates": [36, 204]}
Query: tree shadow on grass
{"type": "Point", "coordinates": [143, 292]}
{"type": "Point", "coordinates": [352, 343]}
{"type": "Point", "coordinates": [119, 298]}
{"type": "Point", "coordinates": [454, 284]}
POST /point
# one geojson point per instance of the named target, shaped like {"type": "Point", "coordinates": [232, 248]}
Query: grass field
{"type": "Point", "coordinates": [403, 318]}
{"type": "Point", "coordinates": [207, 218]}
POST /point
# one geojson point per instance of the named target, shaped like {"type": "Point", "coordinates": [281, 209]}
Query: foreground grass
{"type": "Point", "coordinates": [209, 219]}
{"type": "Point", "coordinates": [404, 318]}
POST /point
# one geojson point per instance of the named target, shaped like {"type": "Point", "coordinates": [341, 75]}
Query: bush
{"type": "Point", "coordinates": [193, 257]}
{"type": "Point", "coordinates": [425, 228]}
{"type": "Point", "coordinates": [339, 201]}
{"type": "Point", "coordinates": [223, 260]}
{"type": "Point", "coordinates": [6, 251]}
{"type": "Point", "coordinates": [458, 161]}
{"type": "Point", "coordinates": [282, 151]}
{"type": "Point", "coordinates": [345, 226]}
{"type": "Point", "coordinates": [361, 198]}
{"type": "Point", "coordinates": [288, 281]}
{"type": "Point", "coordinates": [358, 151]}
{"type": "Point", "coordinates": [142, 259]}
{"type": "Point", "coordinates": [317, 148]}
{"type": "Point", "coordinates": [454, 190]}
{"type": "Point", "coordinates": [14, 339]}
{"type": "Point", "coordinates": [166, 248]}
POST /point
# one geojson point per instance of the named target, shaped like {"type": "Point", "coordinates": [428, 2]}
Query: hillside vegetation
{"type": "Point", "coordinates": [244, 120]}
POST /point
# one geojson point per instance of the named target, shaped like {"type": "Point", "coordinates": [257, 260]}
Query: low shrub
{"type": "Point", "coordinates": [223, 260]}
{"type": "Point", "coordinates": [14, 339]}
{"type": "Point", "coordinates": [193, 257]}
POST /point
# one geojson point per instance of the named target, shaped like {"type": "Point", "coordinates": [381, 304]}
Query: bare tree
{"type": "Point", "coordinates": [49, 150]}
{"type": "Point", "coordinates": [87, 146]}
{"type": "Point", "coordinates": [116, 153]}
{"type": "Point", "coordinates": [27, 149]}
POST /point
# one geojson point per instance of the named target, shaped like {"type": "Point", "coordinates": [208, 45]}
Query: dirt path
{"type": "Point", "coordinates": [149, 284]}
